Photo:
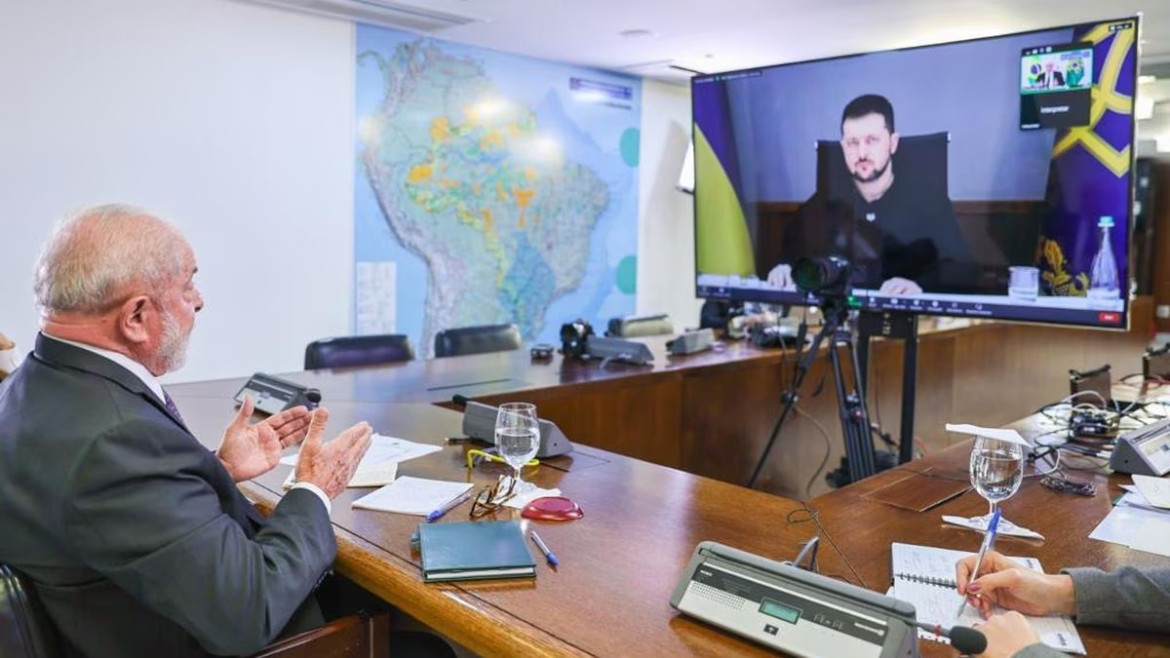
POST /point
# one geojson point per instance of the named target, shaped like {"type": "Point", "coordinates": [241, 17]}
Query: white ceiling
{"type": "Point", "coordinates": [721, 35]}
{"type": "Point", "coordinates": [674, 36]}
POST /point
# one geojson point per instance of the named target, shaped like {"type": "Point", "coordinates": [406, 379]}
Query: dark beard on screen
{"type": "Point", "coordinates": [874, 175]}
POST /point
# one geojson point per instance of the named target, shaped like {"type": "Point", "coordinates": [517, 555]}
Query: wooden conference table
{"type": "Point", "coordinates": [619, 564]}
{"type": "Point", "coordinates": [711, 413]}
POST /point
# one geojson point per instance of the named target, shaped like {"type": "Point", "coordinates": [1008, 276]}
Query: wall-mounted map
{"type": "Point", "coordinates": [490, 188]}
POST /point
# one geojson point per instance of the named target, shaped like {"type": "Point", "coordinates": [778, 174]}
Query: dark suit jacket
{"type": "Point", "coordinates": [137, 539]}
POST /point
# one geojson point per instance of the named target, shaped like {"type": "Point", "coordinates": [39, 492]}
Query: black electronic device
{"type": "Point", "coordinates": [772, 335]}
{"type": "Point", "coordinates": [689, 342]}
{"type": "Point", "coordinates": [574, 336]}
{"type": "Point", "coordinates": [877, 187]}
{"type": "Point", "coordinates": [617, 349]}
{"type": "Point", "coordinates": [479, 422]}
{"type": "Point", "coordinates": [542, 351]}
{"type": "Point", "coordinates": [827, 275]}
{"type": "Point", "coordinates": [272, 395]}
{"type": "Point", "coordinates": [1091, 424]}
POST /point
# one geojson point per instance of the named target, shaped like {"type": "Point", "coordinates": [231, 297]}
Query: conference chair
{"type": "Point", "coordinates": [27, 632]}
{"type": "Point", "coordinates": [25, 629]}
{"type": "Point", "coordinates": [477, 340]}
{"type": "Point", "coordinates": [357, 351]}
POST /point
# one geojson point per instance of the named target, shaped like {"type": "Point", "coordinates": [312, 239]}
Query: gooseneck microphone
{"type": "Point", "coordinates": [460, 400]}
{"type": "Point", "coordinates": [965, 639]}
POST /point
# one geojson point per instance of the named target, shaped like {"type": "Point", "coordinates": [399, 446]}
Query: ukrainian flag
{"type": "Point", "coordinates": [722, 242]}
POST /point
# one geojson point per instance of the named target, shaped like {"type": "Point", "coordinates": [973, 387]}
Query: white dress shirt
{"type": "Point", "coordinates": [140, 371]}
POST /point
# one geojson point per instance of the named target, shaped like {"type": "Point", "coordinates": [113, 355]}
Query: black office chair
{"type": "Point", "coordinates": [357, 351]}
{"type": "Point", "coordinates": [477, 340]}
{"type": "Point", "coordinates": [25, 630]}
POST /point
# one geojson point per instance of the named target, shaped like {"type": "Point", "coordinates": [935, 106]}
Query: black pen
{"type": "Point", "coordinates": [548, 555]}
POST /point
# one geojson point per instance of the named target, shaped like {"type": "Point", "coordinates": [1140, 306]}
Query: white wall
{"type": "Point", "coordinates": [666, 235]}
{"type": "Point", "coordinates": [235, 121]}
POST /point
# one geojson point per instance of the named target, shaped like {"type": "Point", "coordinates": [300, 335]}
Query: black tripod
{"type": "Point", "coordinates": [851, 407]}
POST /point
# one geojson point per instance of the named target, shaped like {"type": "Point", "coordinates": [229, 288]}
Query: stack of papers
{"type": "Point", "coordinates": [411, 495]}
{"type": "Point", "coordinates": [1141, 518]}
{"type": "Point", "coordinates": [380, 464]}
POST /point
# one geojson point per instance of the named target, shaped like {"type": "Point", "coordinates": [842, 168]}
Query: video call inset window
{"type": "Point", "coordinates": [1055, 86]}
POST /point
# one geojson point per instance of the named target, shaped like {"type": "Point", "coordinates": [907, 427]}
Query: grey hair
{"type": "Point", "coordinates": [97, 254]}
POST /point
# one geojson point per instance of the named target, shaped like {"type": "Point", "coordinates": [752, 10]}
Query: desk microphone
{"type": "Point", "coordinates": [312, 397]}
{"type": "Point", "coordinates": [967, 641]}
{"type": "Point", "coordinates": [479, 422]}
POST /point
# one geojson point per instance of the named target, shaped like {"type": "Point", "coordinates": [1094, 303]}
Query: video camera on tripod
{"type": "Point", "coordinates": [828, 280]}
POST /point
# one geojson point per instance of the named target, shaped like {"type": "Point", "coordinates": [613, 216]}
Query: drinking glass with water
{"type": "Point", "coordinates": [997, 469]}
{"type": "Point", "coordinates": [517, 437]}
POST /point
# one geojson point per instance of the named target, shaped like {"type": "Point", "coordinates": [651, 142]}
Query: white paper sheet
{"type": "Point", "coordinates": [1011, 436]}
{"type": "Point", "coordinates": [520, 500]}
{"type": "Point", "coordinates": [1156, 491]}
{"type": "Point", "coordinates": [382, 449]}
{"type": "Point", "coordinates": [373, 476]}
{"type": "Point", "coordinates": [411, 495]}
{"type": "Point", "coordinates": [1131, 523]}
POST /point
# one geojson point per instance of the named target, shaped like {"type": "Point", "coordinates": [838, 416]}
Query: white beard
{"type": "Point", "coordinates": [172, 348]}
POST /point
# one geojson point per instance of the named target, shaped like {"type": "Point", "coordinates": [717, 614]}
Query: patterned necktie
{"type": "Point", "coordinates": [170, 404]}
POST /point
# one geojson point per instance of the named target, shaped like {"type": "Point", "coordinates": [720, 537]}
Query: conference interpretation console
{"type": "Point", "coordinates": [792, 610]}
{"type": "Point", "coordinates": [1143, 451]}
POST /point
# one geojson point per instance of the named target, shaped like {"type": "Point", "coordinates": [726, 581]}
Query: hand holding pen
{"type": "Point", "coordinates": [988, 541]}
{"type": "Point", "coordinates": [1008, 584]}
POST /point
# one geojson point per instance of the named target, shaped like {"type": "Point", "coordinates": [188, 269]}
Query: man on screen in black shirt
{"type": "Point", "coordinates": [901, 238]}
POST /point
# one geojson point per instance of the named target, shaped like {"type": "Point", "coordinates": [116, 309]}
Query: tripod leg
{"type": "Point", "coordinates": [854, 419]}
{"type": "Point", "coordinates": [790, 397]}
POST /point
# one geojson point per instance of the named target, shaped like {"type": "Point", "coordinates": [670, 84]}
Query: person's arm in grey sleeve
{"type": "Point", "coordinates": [1130, 598]}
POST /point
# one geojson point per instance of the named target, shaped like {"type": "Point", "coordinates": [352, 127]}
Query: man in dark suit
{"type": "Point", "coordinates": [901, 237]}
{"type": "Point", "coordinates": [135, 535]}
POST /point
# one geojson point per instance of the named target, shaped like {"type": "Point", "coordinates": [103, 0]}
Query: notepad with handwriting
{"type": "Point", "coordinates": [925, 577]}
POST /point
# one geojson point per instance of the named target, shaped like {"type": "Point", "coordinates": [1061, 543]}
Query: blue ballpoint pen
{"type": "Point", "coordinates": [988, 541]}
{"type": "Point", "coordinates": [548, 555]}
{"type": "Point", "coordinates": [452, 504]}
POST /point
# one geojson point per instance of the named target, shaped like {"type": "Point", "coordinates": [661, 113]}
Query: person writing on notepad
{"type": "Point", "coordinates": [1130, 598]}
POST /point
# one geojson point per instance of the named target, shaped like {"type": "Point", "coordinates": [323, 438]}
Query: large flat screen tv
{"type": "Point", "coordinates": [984, 178]}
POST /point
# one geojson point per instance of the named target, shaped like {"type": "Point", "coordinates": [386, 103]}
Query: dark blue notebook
{"type": "Point", "coordinates": [473, 550]}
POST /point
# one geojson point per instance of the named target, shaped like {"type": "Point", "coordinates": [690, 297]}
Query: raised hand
{"type": "Point", "coordinates": [330, 465]}
{"type": "Point", "coordinates": [249, 449]}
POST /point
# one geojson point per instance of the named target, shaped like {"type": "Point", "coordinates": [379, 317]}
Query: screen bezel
{"type": "Point", "coordinates": [797, 298]}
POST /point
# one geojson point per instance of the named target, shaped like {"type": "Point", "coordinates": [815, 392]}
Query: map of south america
{"type": "Point", "coordinates": [467, 180]}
